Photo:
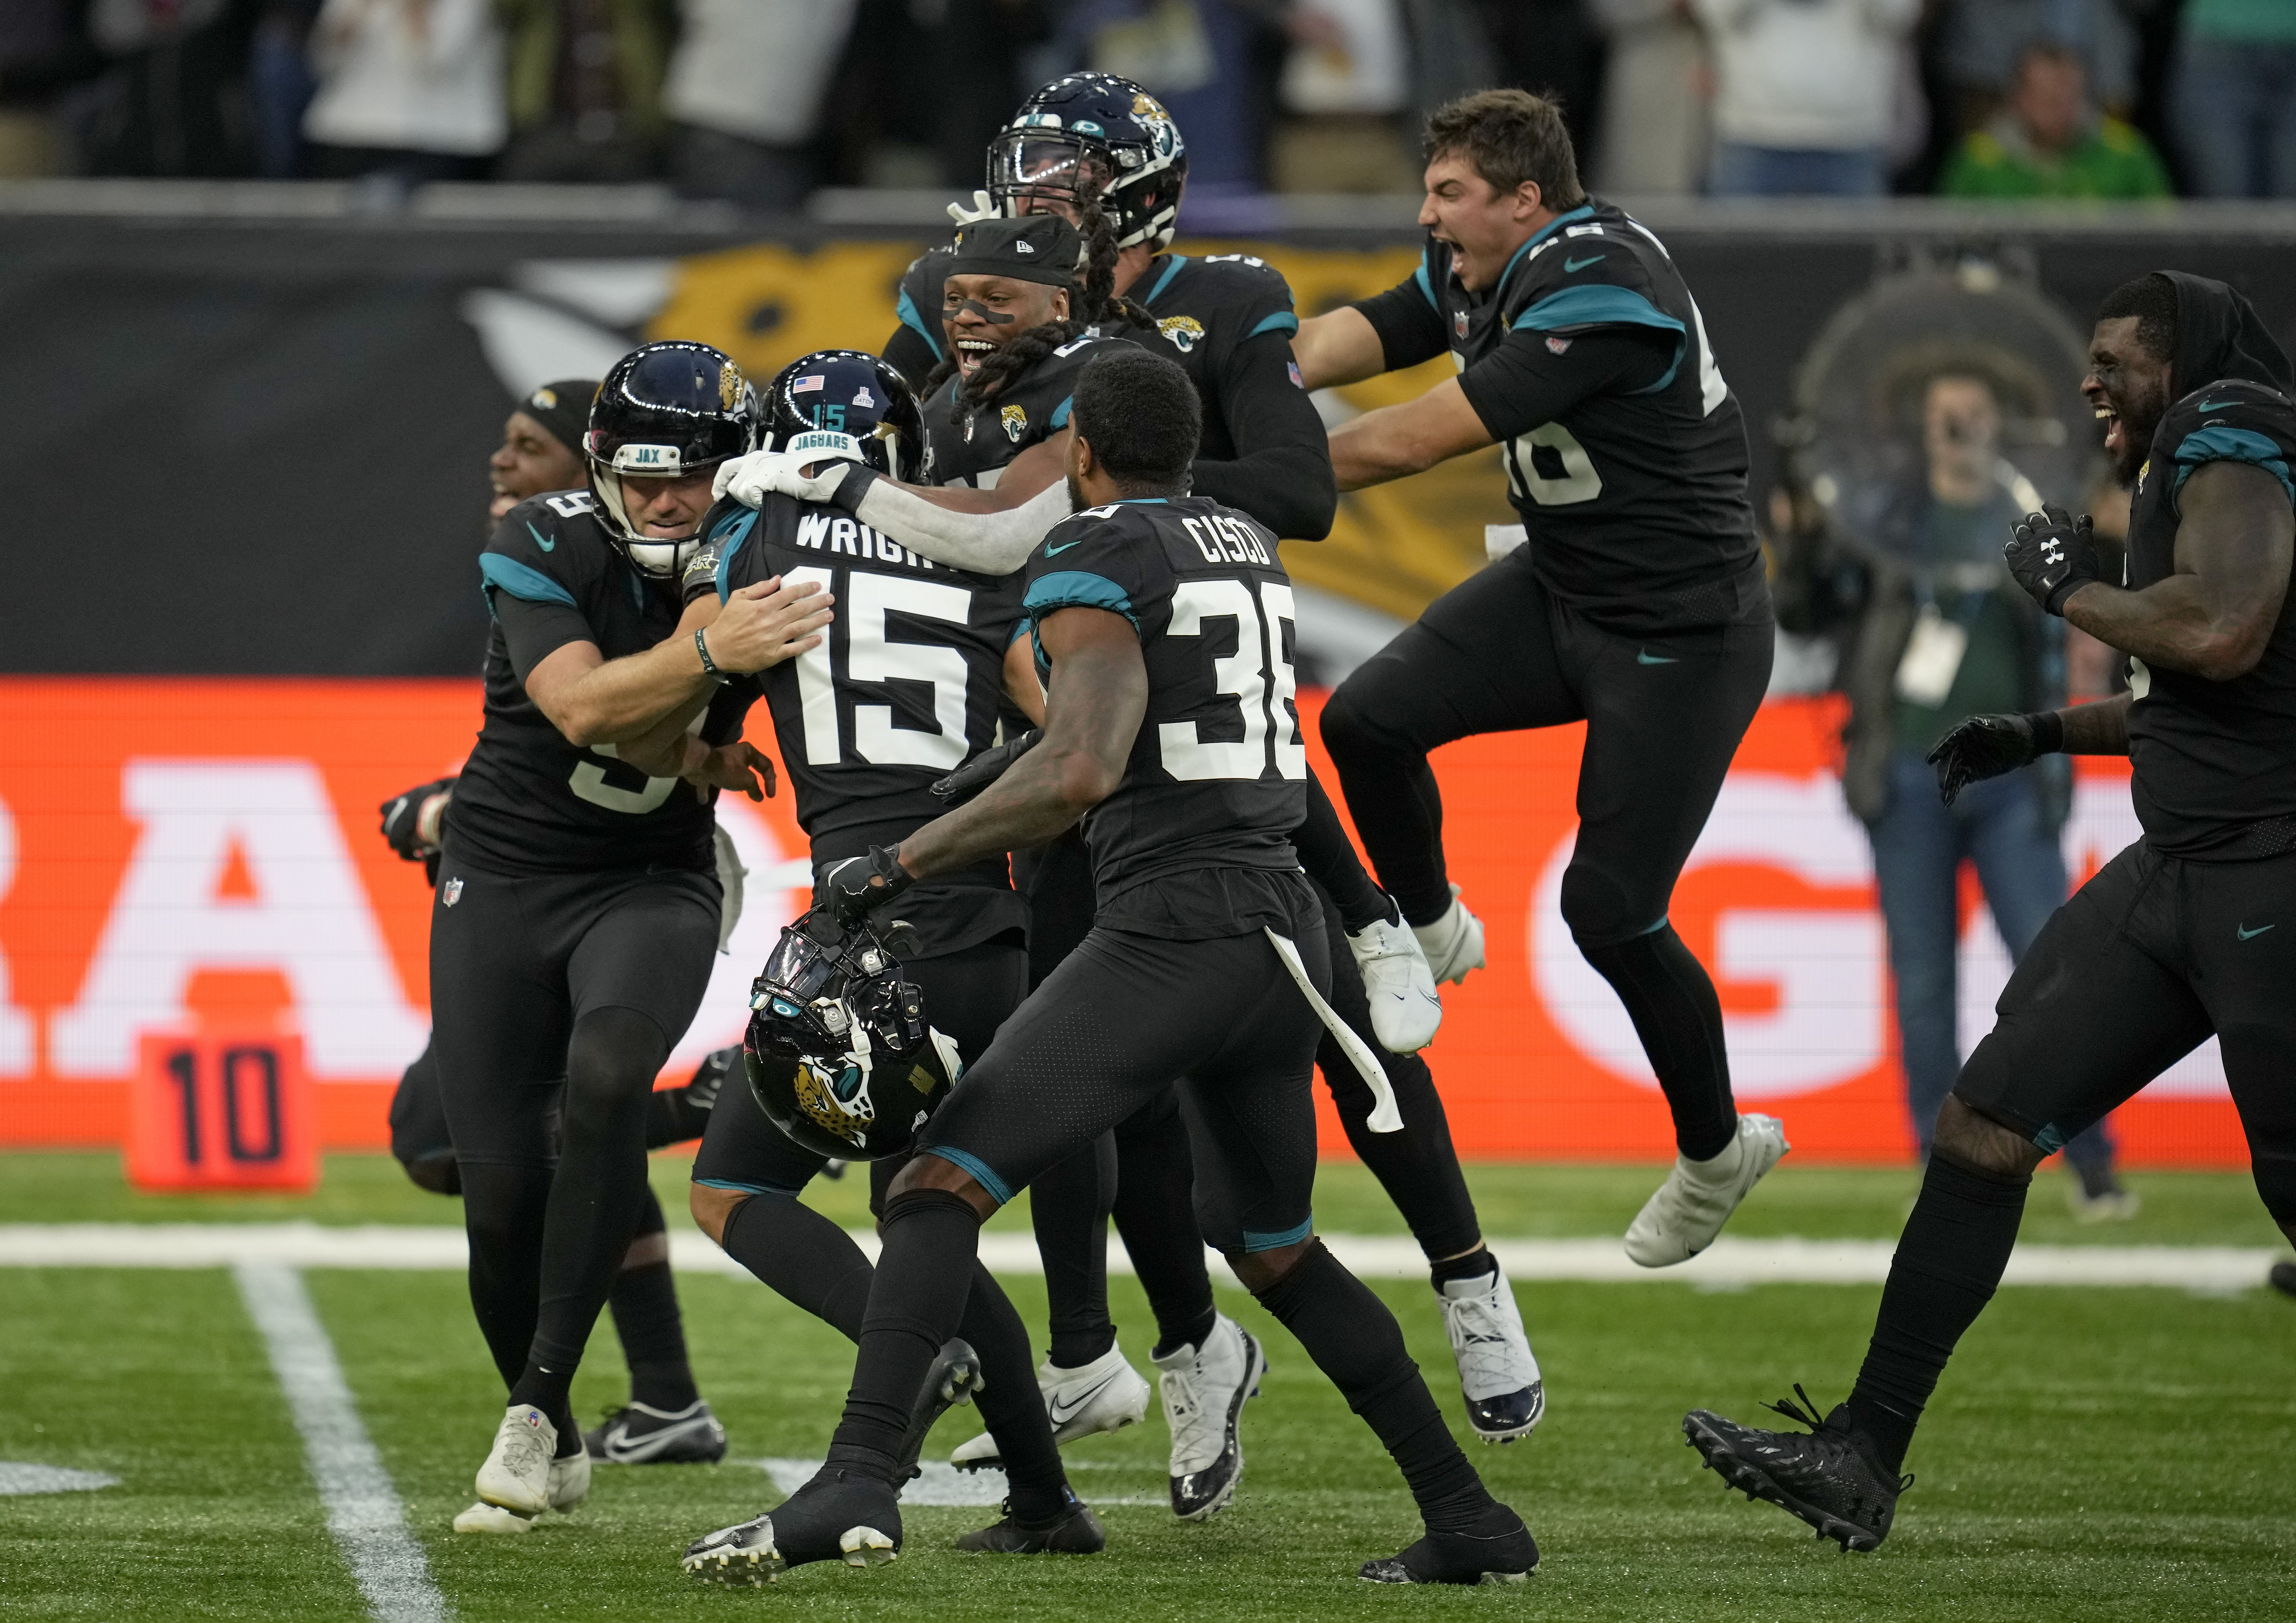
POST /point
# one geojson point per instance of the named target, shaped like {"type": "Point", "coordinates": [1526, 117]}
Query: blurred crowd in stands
{"type": "Point", "coordinates": [760, 102]}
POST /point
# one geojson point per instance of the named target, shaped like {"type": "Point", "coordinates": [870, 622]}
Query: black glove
{"type": "Point", "coordinates": [859, 885]}
{"type": "Point", "coordinates": [984, 769]}
{"type": "Point", "coordinates": [2051, 556]}
{"type": "Point", "coordinates": [1987, 746]}
{"type": "Point", "coordinates": [403, 814]}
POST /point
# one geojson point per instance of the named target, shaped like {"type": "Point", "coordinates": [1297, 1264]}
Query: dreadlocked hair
{"type": "Point", "coordinates": [1095, 303]}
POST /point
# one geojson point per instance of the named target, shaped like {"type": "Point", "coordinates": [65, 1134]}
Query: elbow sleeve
{"type": "Point", "coordinates": [985, 543]}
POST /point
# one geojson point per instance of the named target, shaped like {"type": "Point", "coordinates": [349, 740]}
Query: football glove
{"type": "Point", "coordinates": [1987, 746]}
{"type": "Point", "coordinates": [402, 819]}
{"type": "Point", "coordinates": [858, 885]}
{"type": "Point", "coordinates": [983, 769]}
{"type": "Point", "coordinates": [747, 478]}
{"type": "Point", "coordinates": [984, 207]}
{"type": "Point", "coordinates": [2051, 556]}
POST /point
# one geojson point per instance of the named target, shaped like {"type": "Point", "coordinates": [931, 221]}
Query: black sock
{"type": "Point", "coordinates": [924, 1275]}
{"type": "Point", "coordinates": [1477, 1264]}
{"type": "Point", "coordinates": [503, 1210]}
{"type": "Point", "coordinates": [644, 1300]}
{"type": "Point", "coordinates": [596, 1193]}
{"type": "Point", "coordinates": [1355, 1341]}
{"type": "Point", "coordinates": [1010, 1403]}
{"type": "Point", "coordinates": [1949, 1261]}
{"type": "Point", "coordinates": [1155, 1212]}
{"type": "Point", "coordinates": [805, 1257]}
{"type": "Point", "coordinates": [1331, 861]}
{"type": "Point", "coordinates": [1671, 998]}
{"type": "Point", "coordinates": [1069, 1205]}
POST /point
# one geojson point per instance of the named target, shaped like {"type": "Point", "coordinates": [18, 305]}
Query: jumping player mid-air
{"type": "Point", "coordinates": [1189, 762]}
{"type": "Point", "coordinates": [579, 907]}
{"type": "Point", "coordinates": [2189, 932]}
{"type": "Point", "coordinates": [1638, 604]}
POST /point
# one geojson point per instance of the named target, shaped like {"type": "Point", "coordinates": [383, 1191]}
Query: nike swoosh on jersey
{"type": "Point", "coordinates": [2247, 934]}
{"type": "Point", "coordinates": [2216, 405]}
{"type": "Point", "coordinates": [1062, 547]}
{"type": "Point", "coordinates": [1645, 657]}
{"type": "Point", "coordinates": [1061, 1414]}
{"type": "Point", "coordinates": [540, 540]}
{"type": "Point", "coordinates": [1578, 265]}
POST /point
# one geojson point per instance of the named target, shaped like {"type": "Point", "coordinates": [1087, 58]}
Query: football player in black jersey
{"type": "Point", "coordinates": [1101, 151]}
{"type": "Point", "coordinates": [578, 906]}
{"type": "Point", "coordinates": [1638, 604]}
{"type": "Point", "coordinates": [2189, 932]}
{"type": "Point", "coordinates": [664, 1421]}
{"type": "Point", "coordinates": [909, 683]}
{"type": "Point", "coordinates": [1158, 619]}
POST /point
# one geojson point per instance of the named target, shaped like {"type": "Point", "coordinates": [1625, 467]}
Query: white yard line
{"type": "Point", "coordinates": [363, 1511]}
{"type": "Point", "coordinates": [1731, 1264]}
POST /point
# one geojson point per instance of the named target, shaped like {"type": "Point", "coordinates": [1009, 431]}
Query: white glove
{"type": "Point", "coordinates": [818, 486]}
{"type": "Point", "coordinates": [747, 478]}
{"type": "Point", "coordinates": [984, 207]}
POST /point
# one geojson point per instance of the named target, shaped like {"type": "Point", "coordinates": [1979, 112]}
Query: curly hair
{"type": "Point", "coordinates": [1095, 304]}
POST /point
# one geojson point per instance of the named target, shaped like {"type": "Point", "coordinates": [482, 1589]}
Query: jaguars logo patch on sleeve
{"type": "Point", "coordinates": [1015, 421]}
{"type": "Point", "coordinates": [1186, 332]}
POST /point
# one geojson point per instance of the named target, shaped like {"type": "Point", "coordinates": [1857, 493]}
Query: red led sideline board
{"type": "Point", "coordinates": [221, 1109]}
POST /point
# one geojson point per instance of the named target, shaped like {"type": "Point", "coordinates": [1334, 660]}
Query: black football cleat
{"type": "Point", "coordinates": [1075, 1531]}
{"type": "Point", "coordinates": [639, 1434]}
{"type": "Point", "coordinates": [1828, 1476]}
{"type": "Point", "coordinates": [953, 1379]}
{"type": "Point", "coordinates": [2283, 1278]}
{"type": "Point", "coordinates": [840, 1515]}
{"type": "Point", "coordinates": [1497, 1550]}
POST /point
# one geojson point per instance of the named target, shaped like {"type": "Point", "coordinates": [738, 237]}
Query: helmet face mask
{"type": "Point", "coordinates": [666, 411]}
{"type": "Point", "coordinates": [837, 1054]}
{"type": "Point", "coordinates": [1090, 131]}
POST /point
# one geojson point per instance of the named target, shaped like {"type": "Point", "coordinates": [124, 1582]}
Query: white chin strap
{"type": "Point", "coordinates": [666, 559]}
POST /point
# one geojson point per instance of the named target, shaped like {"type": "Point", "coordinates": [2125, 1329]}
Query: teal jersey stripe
{"type": "Point", "coordinates": [503, 574]}
{"type": "Point", "coordinates": [1060, 413]}
{"type": "Point", "coordinates": [915, 321]}
{"type": "Point", "coordinates": [1282, 321]}
{"type": "Point", "coordinates": [1165, 281]}
{"type": "Point", "coordinates": [2220, 444]}
{"type": "Point", "coordinates": [1077, 589]}
{"type": "Point", "coordinates": [738, 530]}
{"type": "Point", "coordinates": [1536, 238]}
{"type": "Point", "coordinates": [1592, 305]}
{"type": "Point", "coordinates": [1427, 286]}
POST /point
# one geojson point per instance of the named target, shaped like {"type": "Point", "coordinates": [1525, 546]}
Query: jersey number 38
{"type": "Point", "coordinates": [1257, 678]}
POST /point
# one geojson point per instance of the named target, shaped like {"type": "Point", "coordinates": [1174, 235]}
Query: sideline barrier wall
{"type": "Point", "coordinates": [180, 852]}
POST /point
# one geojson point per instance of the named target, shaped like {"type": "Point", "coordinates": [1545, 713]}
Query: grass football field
{"type": "Point", "coordinates": [2099, 1452]}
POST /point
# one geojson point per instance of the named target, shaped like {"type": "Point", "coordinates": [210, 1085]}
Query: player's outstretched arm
{"type": "Point", "coordinates": [1338, 346]}
{"type": "Point", "coordinates": [1399, 440]}
{"type": "Point", "coordinates": [1281, 470]}
{"type": "Point", "coordinates": [1092, 713]}
{"type": "Point", "coordinates": [2214, 616]}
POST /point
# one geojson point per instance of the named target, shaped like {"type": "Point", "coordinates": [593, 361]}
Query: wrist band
{"type": "Point", "coordinates": [2048, 731]}
{"type": "Point", "coordinates": [701, 647]}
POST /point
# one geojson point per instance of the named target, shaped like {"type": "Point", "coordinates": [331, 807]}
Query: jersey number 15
{"type": "Point", "coordinates": [1257, 676]}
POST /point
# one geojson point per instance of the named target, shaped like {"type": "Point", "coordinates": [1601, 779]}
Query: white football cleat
{"type": "Point", "coordinates": [1204, 1389]}
{"type": "Point", "coordinates": [484, 1518]}
{"type": "Point", "coordinates": [1698, 1197]}
{"type": "Point", "coordinates": [1105, 1395]}
{"type": "Point", "coordinates": [1398, 984]}
{"type": "Point", "coordinates": [516, 1475]}
{"type": "Point", "coordinates": [1454, 943]}
{"type": "Point", "coordinates": [1498, 1373]}
{"type": "Point", "coordinates": [569, 1480]}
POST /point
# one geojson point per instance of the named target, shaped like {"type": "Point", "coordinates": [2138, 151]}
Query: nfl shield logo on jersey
{"type": "Point", "coordinates": [1459, 322]}
{"type": "Point", "coordinates": [452, 893]}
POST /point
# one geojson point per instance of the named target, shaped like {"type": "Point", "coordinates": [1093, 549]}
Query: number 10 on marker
{"type": "Point", "coordinates": [218, 1110]}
